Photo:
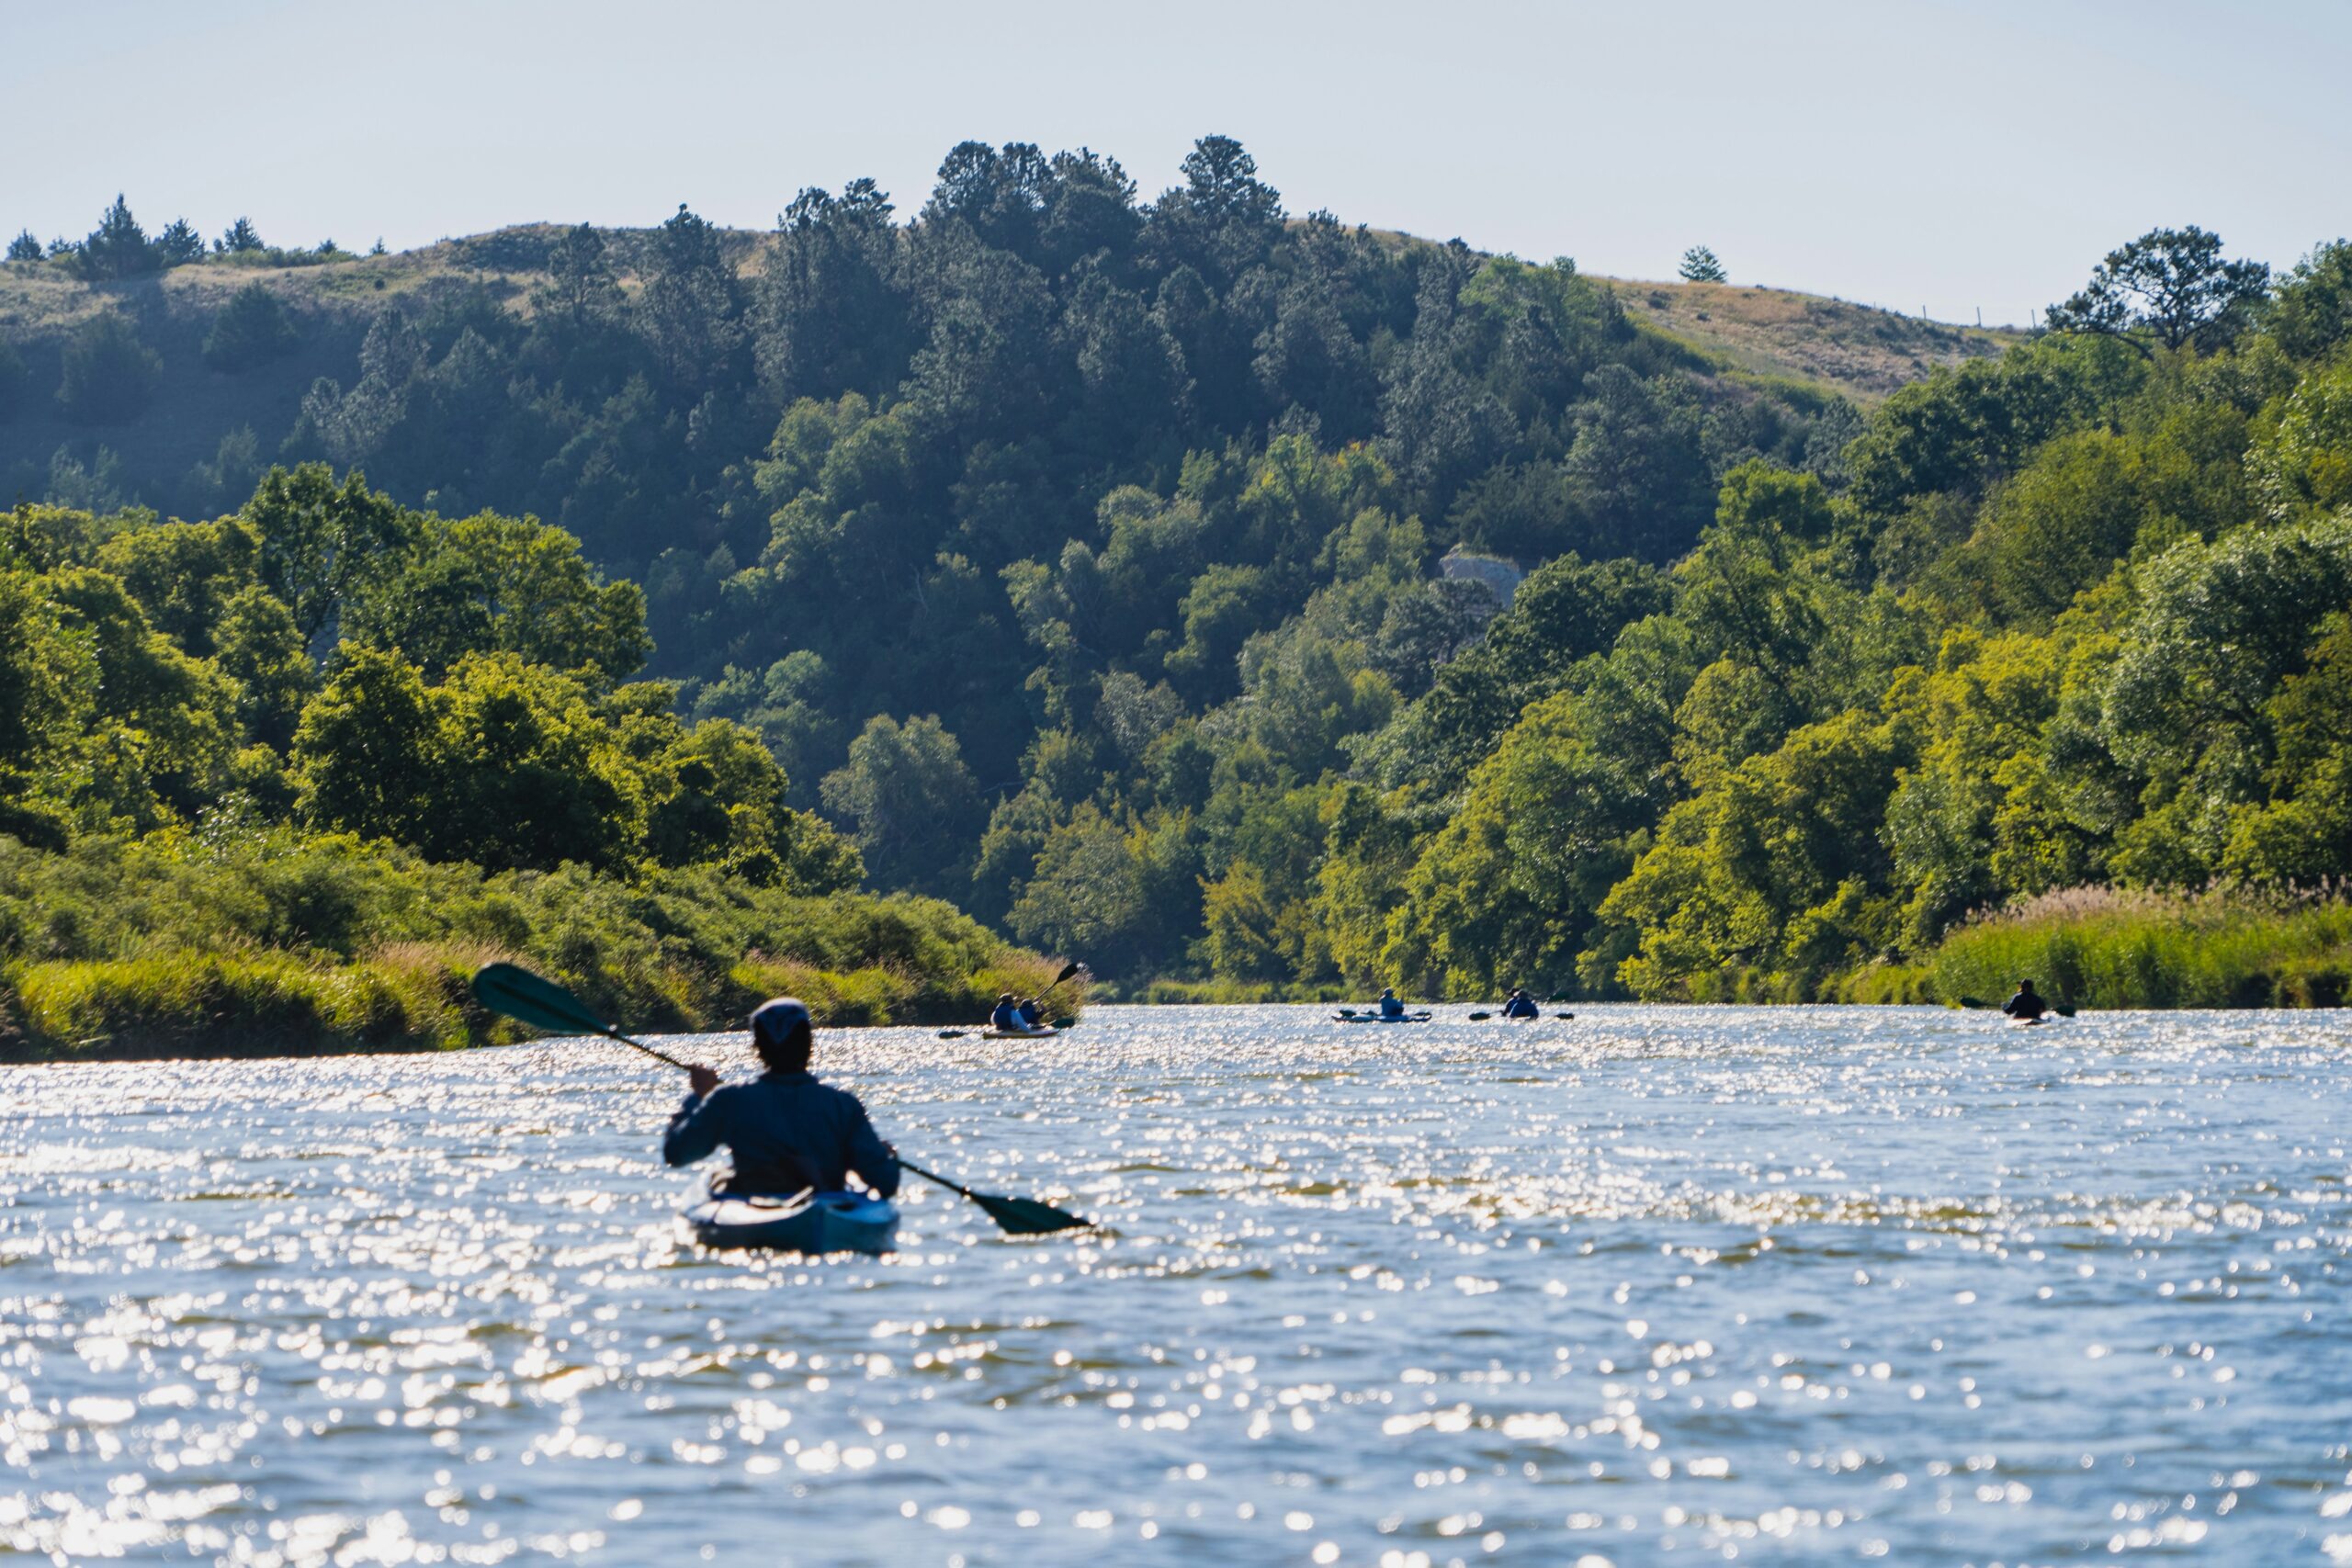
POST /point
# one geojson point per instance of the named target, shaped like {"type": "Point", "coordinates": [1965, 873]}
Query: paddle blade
{"type": "Point", "coordinates": [1069, 972]}
{"type": "Point", "coordinates": [513, 990]}
{"type": "Point", "coordinates": [1480, 1017]}
{"type": "Point", "coordinates": [1027, 1216]}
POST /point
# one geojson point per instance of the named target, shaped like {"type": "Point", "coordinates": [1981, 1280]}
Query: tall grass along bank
{"type": "Point", "coordinates": [2104, 948]}
{"type": "Point", "coordinates": [180, 944]}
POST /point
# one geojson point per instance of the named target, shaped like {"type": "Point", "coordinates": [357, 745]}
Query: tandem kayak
{"type": "Point", "coordinates": [1346, 1015]}
{"type": "Point", "coordinates": [1019, 1034]}
{"type": "Point", "coordinates": [813, 1223]}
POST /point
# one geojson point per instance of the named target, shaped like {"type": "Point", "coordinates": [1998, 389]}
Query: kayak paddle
{"type": "Point", "coordinates": [513, 990]}
{"type": "Point", "coordinates": [1015, 1216]}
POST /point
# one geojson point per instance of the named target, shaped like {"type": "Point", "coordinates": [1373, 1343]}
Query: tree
{"type": "Point", "coordinates": [109, 375]}
{"type": "Point", "coordinates": [689, 310]}
{"type": "Point", "coordinates": [492, 584]}
{"type": "Point", "coordinates": [12, 381]}
{"type": "Point", "coordinates": [24, 247]}
{"type": "Point", "coordinates": [910, 804]}
{"type": "Point", "coordinates": [238, 238]}
{"type": "Point", "coordinates": [252, 330]}
{"type": "Point", "coordinates": [2312, 314]}
{"type": "Point", "coordinates": [321, 542]}
{"type": "Point", "coordinates": [2172, 284]}
{"type": "Point", "coordinates": [179, 245]}
{"type": "Point", "coordinates": [580, 292]}
{"type": "Point", "coordinates": [1700, 265]}
{"type": "Point", "coordinates": [118, 247]}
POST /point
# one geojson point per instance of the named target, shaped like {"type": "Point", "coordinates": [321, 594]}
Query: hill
{"type": "Point", "coordinates": [1859, 351]}
{"type": "Point", "coordinates": [1080, 558]}
{"type": "Point", "coordinates": [1831, 346]}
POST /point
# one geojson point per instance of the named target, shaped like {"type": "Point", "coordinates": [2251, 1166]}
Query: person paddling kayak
{"type": "Point", "coordinates": [1007, 1015]}
{"type": "Point", "coordinates": [1389, 1006]}
{"type": "Point", "coordinates": [1520, 1004]}
{"type": "Point", "coordinates": [788, 1131]}
{"type": "Point", "coordinates": [2027, 1004]}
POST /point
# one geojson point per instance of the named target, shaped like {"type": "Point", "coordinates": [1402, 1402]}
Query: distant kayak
{"type": "Point", "coordinates": [2027, 1022]}
{"type": "Point", "coordinates": [1348, 1015]}
{"type": "Point", "coordinates": [1019, 1034]}
{"type": "Point", "coordinates": [813, 1223]}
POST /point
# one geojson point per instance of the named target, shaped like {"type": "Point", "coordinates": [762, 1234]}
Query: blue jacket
{"type": "Point", "coordinates": [788, 1131]}
{"type": "Point", "coordinates": [1522, 1007]}
{"type": "Point", "coordinates": [1006, 1016]}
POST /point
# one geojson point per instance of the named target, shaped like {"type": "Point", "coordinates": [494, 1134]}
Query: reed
{"type": "Point", "coordinates": [2132, 948]}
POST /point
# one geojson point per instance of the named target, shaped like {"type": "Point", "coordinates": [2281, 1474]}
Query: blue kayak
{"type": "Point", "coordinates": [813, 1223]}
{"type": "Point", "coordinates": [1348, 1015]}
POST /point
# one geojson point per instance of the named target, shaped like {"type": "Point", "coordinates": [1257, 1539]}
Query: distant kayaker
{"type": "Point", "coordinates": [1007, 1014]}
{"type": "Point", "coordinates": [1389, 1006]}
{"type": "Point", "coordinates": [2027, 1003]}
{"type": "Point", "coordinates": [1032, 1015]}
{"type": "Point", "coordinates": [788, 1131]}
{"type": "Point", "coordinates": [1520, 1004]}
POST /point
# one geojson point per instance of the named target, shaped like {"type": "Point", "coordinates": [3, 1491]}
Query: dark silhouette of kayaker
{"type": "Point", "coordinates": [1007, 1014]}
{"type": "Point", "coordinates": [2027, 1004]}
{"type": "Point", "coordinates": [1389, 1006]}
{"type": "Point", "coordinates": [1520, 1004]}
{"type": "Point", "coordinates": [788, 1131]}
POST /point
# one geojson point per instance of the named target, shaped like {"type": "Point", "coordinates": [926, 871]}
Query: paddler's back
{"type": "Point", "coordinates": [788, 1131]}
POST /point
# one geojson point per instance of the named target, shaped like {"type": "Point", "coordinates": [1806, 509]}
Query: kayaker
{"type": "Point", "coordinates": [1007, 1014]}
{"type": "Point", "coordinates": [1389, 1006]}
{"type": "Point", "coordinates": [2027, 1003]}
{"type": "Point", "coordinates": [788, 1131]}
{"type": "Point", "coordinates": [1032, 1015]}
{"type": "Point", "coordinates": [1520, 1004]}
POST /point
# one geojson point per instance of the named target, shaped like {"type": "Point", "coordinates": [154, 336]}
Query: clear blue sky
{"type": "Point", "coordinates": [1941, 155]}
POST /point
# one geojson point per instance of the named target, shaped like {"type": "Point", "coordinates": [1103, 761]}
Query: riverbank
{"type": "Point", "coordinates": [2099, 947]}
{"type": "Point", "coordinates": [281, 945]}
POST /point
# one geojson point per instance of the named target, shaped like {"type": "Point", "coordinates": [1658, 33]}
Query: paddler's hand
{"type": "Point", "coordinates": [701, 1079]}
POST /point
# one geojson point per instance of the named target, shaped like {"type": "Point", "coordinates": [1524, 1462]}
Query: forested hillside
{"type": "Point", "coordinates": [1146, 577]}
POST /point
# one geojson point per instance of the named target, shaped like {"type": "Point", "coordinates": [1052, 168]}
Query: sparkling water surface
{"type": "Point", "coordinates": [1789, 1286]}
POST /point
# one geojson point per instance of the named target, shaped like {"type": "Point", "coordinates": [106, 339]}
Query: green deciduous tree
{"type": "Point", "coordinates": [909, 802]}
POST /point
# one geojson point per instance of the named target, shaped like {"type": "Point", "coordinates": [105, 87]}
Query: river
{"type": "Point", "coordinates": [1657, 1284]}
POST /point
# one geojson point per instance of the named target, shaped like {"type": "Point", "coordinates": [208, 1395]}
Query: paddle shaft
{"type": "Point", "coordinates": [954, 1187]}
{"type": "Point", "coordinates": [640, 1045]}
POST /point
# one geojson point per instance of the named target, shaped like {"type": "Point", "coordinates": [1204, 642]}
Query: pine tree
{"type": "Point", "coordinates": [118, 247]}
{"type": "Point", "coordinates": [238, 237]}
{"type": "Point", "coordinates": [179, 245]}
{"type": "Point", "coordinates": [1700, 265]}
{"type": "Point", "coordinates": [24, 247]}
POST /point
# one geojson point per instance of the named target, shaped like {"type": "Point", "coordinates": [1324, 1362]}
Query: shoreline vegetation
{"type": "Point", "coordinates": [274, 947]}
{"type": "Point", "coordinates": [2103, 947]}
{"type": "Point", "coordinates": [1255, 606]}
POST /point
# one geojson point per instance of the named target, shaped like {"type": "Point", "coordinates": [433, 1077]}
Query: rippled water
{"type": "Point", "coordinates": [1789, 1286]}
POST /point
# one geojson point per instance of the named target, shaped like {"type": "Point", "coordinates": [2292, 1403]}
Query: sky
{"type": "Point", "coordinates": [1945, 157]}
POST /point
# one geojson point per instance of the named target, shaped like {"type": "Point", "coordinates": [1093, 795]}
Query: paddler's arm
{"type": "Point", "coordinates": [872, 1158]}
{"type": "Point", "coordinates": [697, 1129]}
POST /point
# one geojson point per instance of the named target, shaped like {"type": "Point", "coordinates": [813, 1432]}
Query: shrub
{"type": "Point", "coordinates": [252, 330]}
{"type": "Point", "coordinates": [109, 375]}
